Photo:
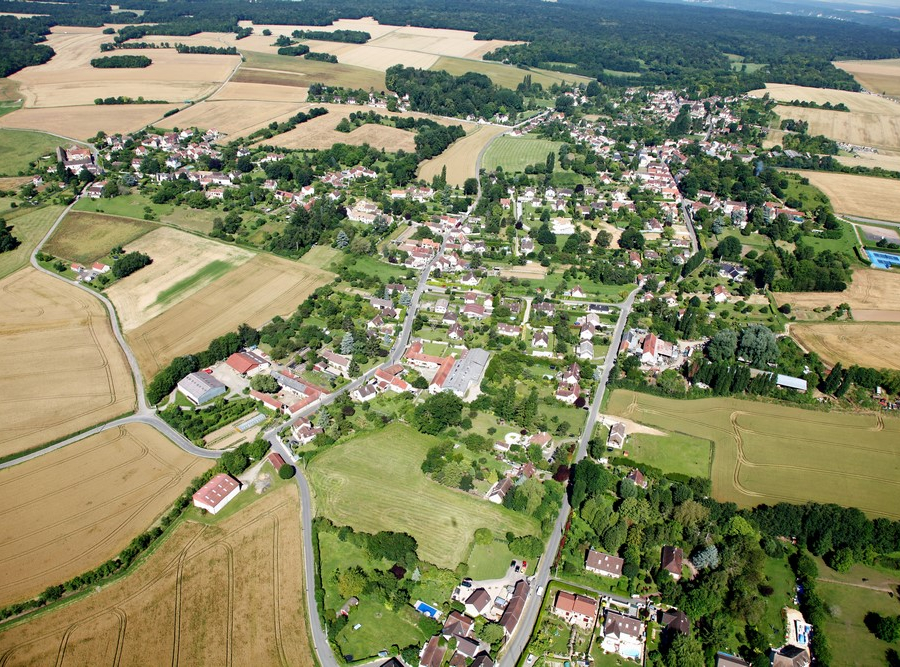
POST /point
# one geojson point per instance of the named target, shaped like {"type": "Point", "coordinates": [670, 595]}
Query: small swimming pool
{"type": "Point", "coordinates": [883, 260]}
{"type": "Point", "coordinates": [426, 609]}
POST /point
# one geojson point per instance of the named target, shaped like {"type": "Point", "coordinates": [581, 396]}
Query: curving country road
{"type": "Point", "coordinates": [144, 414]}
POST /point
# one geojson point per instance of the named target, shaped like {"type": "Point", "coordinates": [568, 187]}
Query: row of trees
{"type": "Point", "coordinates": [121, 62]}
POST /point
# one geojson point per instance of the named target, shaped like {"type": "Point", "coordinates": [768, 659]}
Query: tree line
{"type": "Point", "coordinates": [121, 62]}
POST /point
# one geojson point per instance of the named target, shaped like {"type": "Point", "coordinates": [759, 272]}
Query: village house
{"type": "Point", "coordinates": [514, 607]}
{"type": "Point", "coordinates": [432, 654]}
{"type": "Point", "coordinates": [478, 603]}
{"type": "Point", "coordinates": [576, 609]}
{"type": "Point", "coordinates": [509, 330]}
{"type": "Point", "coordinates": [671, 559]}
{"type": "Point", "coordinates": [637, 477]}
{"type": "Point", "coordinates": [623, 635]}
{"type": "Point", "coordinates": [568, 393]}
{"type": "Point", "coordinates": [720, 294]}
{"type": "Point", "coordinates": [540, 339]}
{"type": "Point", "coordinates": [617, 435]}
{"type": "Point", "coordinates": [603, 564]}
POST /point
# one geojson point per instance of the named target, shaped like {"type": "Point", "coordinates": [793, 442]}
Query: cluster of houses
{"type": "Point", "coordinates": [76, 159]}
{"type": "Point", "coordinates": [87, 274]}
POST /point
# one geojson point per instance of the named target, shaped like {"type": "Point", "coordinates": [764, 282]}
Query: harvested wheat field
{"type": "Point", "coordinates": [856, 102]}
{"type": "Point", "coordinates": [865, 196]}
{"type": "Point", "coordinates": [69, 80]}
{"type": "Point", "coordinates": [320, 133]}
{"type": "Point", "coordinates": [872, 345]}
{"type": "Point", "coordinates": [306, 72]}
{"type": "Point", "coordinates": [92, 498]}
{"type": "Point", "coordinates": [183, 264]}
{"type": "Point", "coordinates": [259, 92]}
{"type": "Point", "coordinates": [253, 293]}
{"type": "Point", "coordinates": [885, 159]}
{"type": "Point", "coordinates": [86, 237]}
{"type": "Point", "coordinates": [531, 271]}
{"type": "Point", "coordinates": [462, 157]}
{"type": "Point", "coordinates": [877, 76]}
{"type": "Point", "coordinates": [67, 372]}
{"type": "Point", "coordinates": [234, 118]}
{"type": "Point", "coordinates": [873, 296]}
{"type": "Point", "coordinates": [223, 594]}
{"type": "Point", "coordinates": [84, 122]}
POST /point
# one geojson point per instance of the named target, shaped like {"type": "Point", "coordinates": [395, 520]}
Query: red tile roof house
{"type": "Point", "coordinates": [671, 559]}
{"type": "Point", "coordinates": [216, 493]}
{"type": "Point", "coordinates": [576, 609]}
{"type": "Point", "coordinates": [514, 607]}
{"type": "Point", "coordinates": [276, 460]}
{"type": "Point", "coordinates": [432, 654]}
{"type": "Point", "coordinates": [603, 564]}
{"type": "Point", "coordinates": [457, 625]}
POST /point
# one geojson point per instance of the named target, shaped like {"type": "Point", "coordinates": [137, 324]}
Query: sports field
{"type": "Point", "coordinates": [20, 148]}
{"type": "Point", "coordinates": [224, 594]}
{"type": "Point", "coordinates": [462, 157]}
{"type": "Point", "coordinates": [508, 76]}
{"type": "Point", "coordinates": [874, 345]}
{"type": "Point", "coordinates": [374, 482]}
{"type": "Point", "coordinates": [516, 153]}
{"type": "Point", "coordinates": [75, 508]}
{"type": "Point", "coordinates": [86, 237]}
{"type": "Point", "coordinates": [765, 453]}
{"type": "Point", "coordinates": [183, 264]}
{"type": "Point", "coordinates": [877, 76]}
{"type": "Point", "coordinates": [865, 196]}
{"type": "Point", "coordinates": [254, 293]}
{"type": "Point", "coordinates": [64, 370]}
{"type": "Point", "coordinates": [29, 226]}
{"type": "Point", "coordinates": [873, 296]}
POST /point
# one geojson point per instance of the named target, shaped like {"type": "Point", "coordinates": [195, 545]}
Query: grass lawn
{"type": "Point", "coordinates": [761, 447]}
{"type": "Point", "coordinates": [375, 267]}
{"type": "Point", "coordinates": [374, 482]}
{"type": "Point", "coordinates": [29, 226]}
{"type": "Point", "coordinates": [331, 74]}
{"type": "Point", "coordinates": [335, 555]}
{"type": "Point", "coordinates": [380, 628]}
{"type": "Point", "coordinates": [844, 244]}
{"type": "Point", "coordinates": [781, 578]}
{"type": "Point", "coordinates": [490, 561]}
{"type": "Point", "coordinates": [320, 257]}
{"type": "Point", "coordinates": [207, 274]}
{"type": "Point", "coordinates": [507, 76]}
{"type": "Point", "coordinates": [851, 641]}
{"type": "Point", "coordinates": [672, 453]}
{"type": "Point", "coordinates": [133, 205]}
{"type": "Point", "coordinates": [516, 153]}
{"type": "Point", "coordinates": [86, 237]}
{"type": "Point", "coordinates": [809, 196]}
{"type": "Point", "coordinates": [19, 148]}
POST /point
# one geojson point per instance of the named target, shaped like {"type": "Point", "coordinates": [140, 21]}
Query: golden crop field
{"type": "Point", "coordinates": [179, 269]}
{"type": "Point", "coordinates": [309, 71]}
{"type": "Point", "coordinates": [227, 592]}
{"type": "Point", "coordinates": [864, 196]}
{"type": "Point", "coordinates": [92, 498]}
{"type": "Point", "coordinates": [767, 453]}
{"type": "Point", "coordinates": [461, 158]}
{"type": "Point", "coordinates": [856, 102]}
{"type": "Point", "coordinates": [258, 92]}
{"type": "Point", "coordinates": [508, 76]}
{"type": "Point", "coordinates": [64, 370]}
{"type": "Point", "coordinates": [885, 159]}
{"type": "Point", "coordinates": [873, 345]}
{"type": "Point", "coordinates": [253, 293]}
{"type": "Point", "coordinates": [877, 76]}
{"type": "Point", "coordinates": [83, 122]}
{"type": "Point", "coordinates": [69, 80]}
{"type": "Point", "coordinates": [86, 237]}
{"type": "Point", "coordinates": [320, 133]}
{"type": "Point", "coordinates": [873, 296]}
{"type": "Point", "coordinates": [234, 118]}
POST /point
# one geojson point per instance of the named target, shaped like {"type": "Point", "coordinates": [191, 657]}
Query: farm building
{"type": "Point", "coordinates": [248, 362]}
{"type": "Point", "coordinates": [216, 493]}
{"type": "Point", "coordinates": [199, 388]}
{"type": "Point", "coordinates": [276, 460]}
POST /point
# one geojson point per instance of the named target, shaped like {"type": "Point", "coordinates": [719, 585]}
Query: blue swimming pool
{"type": "Point", "coordinates": [426, 609]}
{"type": "Point", "coordinates": [883, 260]}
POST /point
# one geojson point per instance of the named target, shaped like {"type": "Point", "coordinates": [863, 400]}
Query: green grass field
{"type": "Point", "coordinates": [491, 561]}
{"type": "Point", "coordinates": [379, 629]}
{"type": "Point", "coordinates": [780, 577]}
{"type": "Point", "coordinates": [508, 76]}
{"type": "Point", "coordinates": [347, 76]}
{"type": "Point", "coordinates": [372, 266]}
{"type": "Point", "coordinates": [18, 148]}
{"type": "Point", "coordinates": [516, 153]}
{"type": "Point", "coordinates": [320, 257]}
{"type": "Point", "coordinates": [672, 453]}
{"type": "Point", "coordinates": [215, 269]}
{"type": "Point", "coordinates": [86, 237]}
{"type": "Point", "coordinates": [134, 205]}
{"type": "Point", "coordinates": [851, 641]}
{"type": "Point", "coordinates": [29, 226]}
{"type": "Point", "coordinates": [373, 482]}
{"type": "Point", "coordinates": [763, 451]}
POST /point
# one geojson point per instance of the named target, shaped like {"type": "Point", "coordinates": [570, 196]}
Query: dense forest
{"type": "Point", "coordinates": [446, 95]}
{"type": "Point", "coordinates": [121, 62]}
{"type": "Point", "coordinates": [616, 42]}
